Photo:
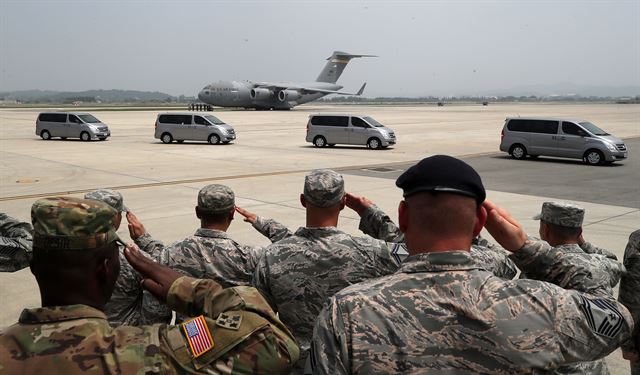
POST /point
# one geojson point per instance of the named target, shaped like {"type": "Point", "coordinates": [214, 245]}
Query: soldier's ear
{"type": "Point", "coordinates": [302, 201]}
{"type": "Point", "coordinates": [403, 216]}
{"type": "Point", "coordinates": [198, 213]}
{"type": "Point", "coordinates": [343, 202]}
{"type": "Point", "coordinates": [481, 219]}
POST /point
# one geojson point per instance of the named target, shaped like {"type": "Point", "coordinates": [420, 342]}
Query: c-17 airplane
{"type": "Point", "coordinates": [283, 96]}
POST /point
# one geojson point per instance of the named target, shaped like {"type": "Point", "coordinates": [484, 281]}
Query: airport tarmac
{"type": "Point", "coordinates": [266, 164]}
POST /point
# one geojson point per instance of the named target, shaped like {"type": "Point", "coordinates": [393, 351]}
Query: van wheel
{"type": "Point", "coordinates": [214, 139]}
{"type": "Point", "coordinates": [166, 138]}
{"type": "Point", "coordinates": [45, 135]}
{"type": "Point", "coordinates": [593, 157]}
{"type": "Point", "coordinates": [374, 143]}
{"type": "Point", "coordinates": [319, 141]}
{"type": "Point", "coordinates": [85, 136]}
{"type": "Point", "coordinates": [518, 151]}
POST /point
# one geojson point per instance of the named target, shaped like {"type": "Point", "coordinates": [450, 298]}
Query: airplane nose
{"type": "Point", "coordinates": [201, 96]}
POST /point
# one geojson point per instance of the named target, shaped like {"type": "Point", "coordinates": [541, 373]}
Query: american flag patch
{"type": "Point", "coordinates": [198, 335]}
{"type": "Point", "coordinates": [602, 316]}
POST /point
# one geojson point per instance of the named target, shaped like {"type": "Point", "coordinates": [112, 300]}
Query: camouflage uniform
{"type": "Point", "coordinates": [209, 253]}
{"type": "Point", "coordinates": [76, 339]}
{"type": "Point", "coordinates": [296, 275]}
{"type": "Point", "coordinates": [491, 257]}
{"type": "Point", "coordinates": [629, 295]}
{"type": "Point", "coordinates": [15, 244]}
{"type": "Point", "coordinates": [440, 313]}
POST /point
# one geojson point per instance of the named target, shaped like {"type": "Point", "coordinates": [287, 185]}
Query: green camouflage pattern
{"type": "Point", "coordinates": [491, 257]}
{"type": "Point", "coordinates": [440, 313]}
{"type": "Point", "coordinates": [296, 275]}
{"type": "Point", "coordinates": [77, 339]}
{"type": "Point", "coordinates": [630, 292]}
{"type": "Point", "coordinates": [323, 188]}
{"type": "Point", "coordinates": [216, 198]}
{"type": "Point", "coordinates": [561, 213]}
{"type": "Point", "coordinates": [16, 240]}
{"type": "Point", "coordinates": [110, 197]}
{"type": "Point", "coordinates": [66, 223]}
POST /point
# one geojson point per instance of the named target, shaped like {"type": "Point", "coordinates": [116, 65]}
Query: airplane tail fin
{"type": "Point", "coordinates": [335, 65]}
{"type": "Point", "coordinates": [361, 89]}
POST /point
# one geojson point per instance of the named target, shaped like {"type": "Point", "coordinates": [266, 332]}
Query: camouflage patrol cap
{"type": "Point", "coordinates": [108, 196]}
{"type": "Point", "coordinates": [216, 199]}
{"type": "Point", "coordinates": [442, 173]}
{"type": "Point", "coordinates": [65, 223]}
{"type": "Point", "coordinates": [323, 188]}
{"type": "Point", "coordinates": [562, 214]}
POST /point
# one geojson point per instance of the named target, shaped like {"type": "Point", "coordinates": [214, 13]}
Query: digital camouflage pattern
{"type": "Point", "coordinates": [296, 275]}
{"type": "Point", "coordinates": [110, 197]}
{"type": "Point", "coordinates": [66, 223]}
{"type": "Point", "coordinates": [323, 188]}
{"type": "Point", "coordinates": [440, 313]}
{"type": "Point", "coordinates": [561, 213]}
{"type": "Point", "coordinates": [208, 254]}
{"type": "Point", "coordinates": [216, 198]}
{"type": "Point", "coordinates": [77, 339]}
{"type": "Point", "coordinates": [487, 255]}
{"type": "Point", "coordinates": [590, 248]}
{"type": "Point", "coordinates": [16, 240]}
{"type": "Point", "coordinates": [629, 293]}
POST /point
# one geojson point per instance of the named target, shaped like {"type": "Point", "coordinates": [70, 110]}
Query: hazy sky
{"type": "Point", "coordinates": [426, 47]}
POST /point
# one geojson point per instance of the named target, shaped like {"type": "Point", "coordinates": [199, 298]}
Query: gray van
{"type": "Point", "coordinates": [562, 137]}
{"type": "Point", "coordinates": [71, 125]}
{"type": "Point", "coordinates": [329, 130]}
{"type": "Point", "coordinates": [193, 127]}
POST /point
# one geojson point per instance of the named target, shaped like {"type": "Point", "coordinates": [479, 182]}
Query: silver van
{"type": "Point", "coordinates": [562, 137]}
{"type": "Point", "coordinates": [193, 127]}
{"type": "Point", "coordinates": [329, 130]}
{"type": "Point", "coordinates": [71, 125]}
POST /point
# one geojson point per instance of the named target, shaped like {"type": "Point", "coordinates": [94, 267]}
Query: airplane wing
{"type": "Point", "coordinates": [278, 86]}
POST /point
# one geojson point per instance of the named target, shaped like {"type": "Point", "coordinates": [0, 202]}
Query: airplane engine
{"type": "Point", "coordinates": [260, 94]}
{"type": "Point", "coordinates": [287, 95]}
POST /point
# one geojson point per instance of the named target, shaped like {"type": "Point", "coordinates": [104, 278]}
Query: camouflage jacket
{"type": "Point", "coordinates": [16, 239]}
{"type": "Point", "coordinates": [630, 287]}
{"type": "Point", "coordinates": [491, 257]}
{"type": "Point", "coordinates": [208, 254]}
{"type": "Point", "coordinates": [77, 339]}
{"type": "Point", "coordinates": [297, 274]}
{"type": "Point", "coordinates": [440, 313]}
{"type": "Point", "coordinates": [590, 248]}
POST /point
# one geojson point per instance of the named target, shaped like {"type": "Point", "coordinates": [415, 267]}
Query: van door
{"type": "Point", "coordinates": [571, 142]}
{"type": "Point", "coordinates": [544, 137]}
{"type": "Point", "coordinates": [183, 129]}
{"type": "Point", "coordinates": [334, 128]}
{"type": "Point", "coordinates": [73, 127]}
{"type": "Point", "coordinates": [359, 131]}
{"type": "Point", "coordinates": [201, 128]}
{"type": "Point", "coordinates": [55, 124]}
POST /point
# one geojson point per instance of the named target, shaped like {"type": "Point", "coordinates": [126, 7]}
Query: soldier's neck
{"type": "Point", "coordinates": [320, 221]}
{"type": "Point", "coordinates": [215, 226]}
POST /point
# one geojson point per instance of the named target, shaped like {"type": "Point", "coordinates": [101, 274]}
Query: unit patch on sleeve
{"type": "Point", "coordinates": [229, 321]}
{"type": "Point", "coordinates": [198, 335]}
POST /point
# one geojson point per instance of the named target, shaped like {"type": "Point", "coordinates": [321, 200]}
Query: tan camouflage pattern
{"type": "Point", "coordinates": [491, 257]}
{"type": "Point", "coordinates": [77, 339]}
{"type": "Point", "coordinates": [630, 292]}
{"type": "Point", "coordinates": [561, 213]}
{"type": "Point", "coordinates": [296, 275]}
{"type": "Point", "coordinates": [216, 198]}
{"type": "Point", "coordinates": [108, 196]}
{"type": "Point", "coordinates": [440, 313]}
{"type": "Point", "coordinates": [16, 240]}
{"type": "Point", "coordinates": [323, 188]}
{"type": "Point", "coordinates": [66, 223]}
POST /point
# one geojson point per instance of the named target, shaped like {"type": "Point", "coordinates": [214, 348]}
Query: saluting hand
{"type": "Point", "coordinates": [249, 217]}
{"type": "Point", "coordinates": [503, 227]}
{"type": "Point", "coordinates": [136, 229]}
{"type": "Point", "coordinates": [157, 279]}
{"type": "Point", "coordinates": [357, 203]}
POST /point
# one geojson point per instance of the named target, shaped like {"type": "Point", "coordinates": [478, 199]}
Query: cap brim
{"type": "Point", "coordinates": [439, 189]}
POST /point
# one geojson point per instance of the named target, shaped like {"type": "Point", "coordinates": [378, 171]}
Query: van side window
{"type": "Point", "coordinates": [200, 121]}
{"type": "Point", "coordinates": [357, 121]}
{"type": "Point", "coordinates": [572, 129]}
{"type": "Point", "coordinates": [53, 117]}
{"type": "Point", "coordinates": [542, 126]}
{"type": "Point", "coordinates": [518, 125]}
{"type": "Point", "coordinates": [74, 119]}
{"type": "Point", "coordinates": [330, 120]}
{"type": "Point", "coordinates": [175, 119]}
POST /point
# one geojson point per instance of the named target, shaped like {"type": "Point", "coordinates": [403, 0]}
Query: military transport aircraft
{"type": "Point", "coordinates": [269, 95]}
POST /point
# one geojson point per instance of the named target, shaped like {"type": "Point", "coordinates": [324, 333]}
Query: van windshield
{"type": "Point", "coordinates": [89, 119]}
{"type": "Point", "coordinates": [214, 120]}
{"type": "Point", "coordinates": [593, 129]}
{"type": "Point", "coordinates": [373, 122]}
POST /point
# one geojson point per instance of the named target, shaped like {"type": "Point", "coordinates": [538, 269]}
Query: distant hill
{"type": "Point", "coordinates": [91, 96]}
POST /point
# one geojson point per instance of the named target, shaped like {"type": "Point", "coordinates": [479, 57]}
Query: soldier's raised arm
{"type": "Point", "coordinates": [15, 244]}
{"type": "Point", "coordinates": [373, 221]}
{"type": "Point", "coordinates": [142, 238]}
{"type": "Point", "coordinates": [269, 228]}
{"type": "Point", "coordinates": [630, 297]}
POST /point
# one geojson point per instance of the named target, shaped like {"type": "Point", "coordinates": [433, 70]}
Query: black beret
{"type": "Point", "coordinates": [442, 173]}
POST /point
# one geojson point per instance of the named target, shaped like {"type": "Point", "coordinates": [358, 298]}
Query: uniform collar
{"type": "Point", "coordinates": [211, 233]}
{"type": "Point", "coordinates": [570, 248]}
{"type": "Point", "coordinates": [59, 313]}
{"type": "Point", "coordinates": [318, 231]}
{"type": "Point", "coordinates": [442, 261]}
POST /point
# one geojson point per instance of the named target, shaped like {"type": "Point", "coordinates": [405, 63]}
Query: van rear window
{"type": "Point", "coordinates": [330, 120]}
{"type": "Point", "coordinates": [53, 117]}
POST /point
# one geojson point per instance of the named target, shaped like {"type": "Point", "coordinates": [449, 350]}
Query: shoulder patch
{"type": "Point", "coordinates": [229, 321]}
{"type": "Point", "coordinates": [198, 336]}
{"type": "Point", "coordinates": [603, 316]}
{"type": "Point", "coordinates": [399, 252]}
